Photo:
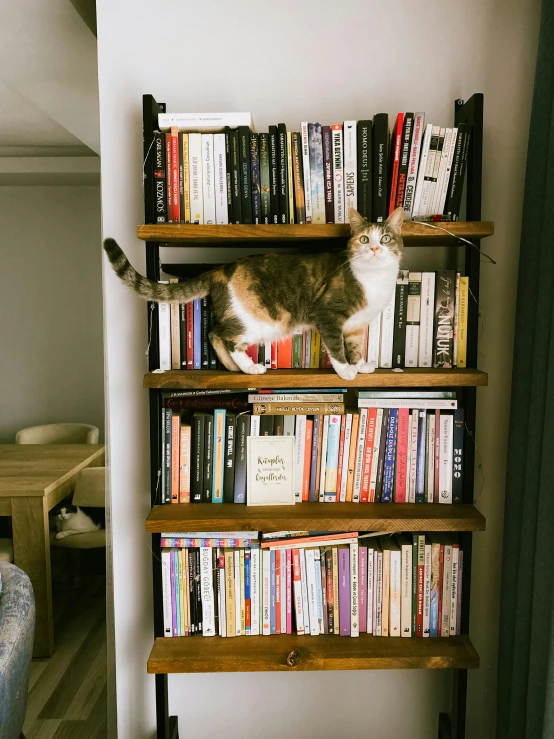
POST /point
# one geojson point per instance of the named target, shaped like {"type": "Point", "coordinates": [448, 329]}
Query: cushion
{"type": "Point", "coordinates": [90, 540]}
{"type": "Point", "coordinates": [90, 488]}
{"type": "Point", "coordinates": [6, 550]}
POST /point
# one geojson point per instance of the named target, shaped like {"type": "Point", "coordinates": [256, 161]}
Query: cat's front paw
{"type": "Point", "coordinates": [346, 371]}
{"type": "Point", "coordinates": [255, 369]}
{"type": "Point", "coordinates": [60, 535]}
{"type": "Point", "coordinates": [366, 368]}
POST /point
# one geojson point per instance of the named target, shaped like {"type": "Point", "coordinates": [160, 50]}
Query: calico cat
{"type": "Point", "coordinates": [264, 298]}
{"type": "Point", "coordinates": [69, 519]}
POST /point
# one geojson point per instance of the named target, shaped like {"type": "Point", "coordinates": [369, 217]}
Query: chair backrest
{"type": "Point", "coordinates": [17, 631]}
{"type": "Point", "coordinates": [90, 488]}
{"type": "Point", "coordinates": [58, 433]}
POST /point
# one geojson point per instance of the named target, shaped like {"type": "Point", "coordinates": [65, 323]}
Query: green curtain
{"type": "Point", "coordinates": [526, 649]}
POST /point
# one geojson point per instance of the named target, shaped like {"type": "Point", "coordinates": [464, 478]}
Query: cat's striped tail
{"type": "Point", "coordinates": [182, 292]}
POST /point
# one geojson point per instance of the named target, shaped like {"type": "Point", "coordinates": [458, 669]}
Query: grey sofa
{"type": "Point", "coordinates": [17, 630]}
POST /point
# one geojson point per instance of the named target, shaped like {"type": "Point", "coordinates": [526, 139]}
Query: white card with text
{"type": "Point", "coordinates": [270, 470]}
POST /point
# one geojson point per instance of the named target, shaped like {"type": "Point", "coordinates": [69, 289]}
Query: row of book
{"type": "Point", "coordinates": [315, 175]}
{"type": "Point", "coordinates": [341, 584]}
{"type": "Point", "coordinates": [424, 324]}
{"type": "Point", "coordinates": [391, 450]}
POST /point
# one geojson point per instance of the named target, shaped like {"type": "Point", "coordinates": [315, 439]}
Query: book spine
{"type": "Point", "coordinates": [323, 466]}
{"type": "Point", "coordinates": [413, 164]}
{"type": "Point", "coordinates": [434, 595]}
{"type": "Point", "coordinates": [335, 566]}
{"type": "Point", "coordinates": [344, 591]}
{"type": "Point", "coordinates": [228, 168]}
{"type": "Point", "coordinates": [168, 176]}
{"type": "Point", "coordinates": [208, 178]}
{"type": "Point", "coordinates": [406, 591]}
{"type": "Point", "coordinates": [436, 210]}
{"type": "Point", "coordinates": [236, 194]}
{"type": "Point", "coordinates": [189, 310]}
{"type": "Point", "coordinates": [368, 455]}
{"type": "Point", "coordinates": [446, 590]}
{"type": "Point", "coordinates": [359, 459]}
{"type": "Point", "coordinates": [447, 174]}
{"type": "Point", "coordinates": [184, 463]}
{"type": "Point", "coordinates": [341, 488]}
{"type": "Point", "coordinates": [430, 460]}
{"type": "Point", "coordinates": [429, 180]}
{"type": "Point", "coordinates": [166, 592]}
{"type": "Point", "coordinates": [266, 593]}
{"type": "Point", "coordinates": [218, 456]}
{"type": "Point", "coordinates": [289, 597]}
{"type": "Point", "coordinates": [435, 173]}
{"type": "Point", "coordinates": [220, 167]}
{"type": "Point", "coordinates": [328, 174]}
{"type": "Point", "coordinates": [317, 424]}
{"type": "Point", "coordinates": [350, 169]}
{"type": "Point", "coordinates": [247, 593]}
{"type": "Point", "coordinates": [204, 330]}
{"type": "Point", "coordinates": [426, 319]}
{"type": "Point", "coordinates": [175, 456]}
{"type": "Point", "coordinates": [454, 590]}
{"type": "Point", "coordinates": [255, 591]}
{"type": "Point", "coordinates": [298, 178]}
{"type": "Point", "coordinates": [395, 149]}
{"type": "Point", "coordinates": [421, 171]}
{"type": "Point", "coordinates": [445, 294]}
{"type": "Point", "coordinates": [207, 592]}
{"type": "Point", "coordinates": [461, 359]}
{"type": "Point", "coordinates": [362, 587]}
{"type": "Point", "coordinates": [364, 174]}
{"type": "Point", "coordinates": [437, 456]}
{"type": "Point", "coordinates": [456, 314]}
{"type": "Point", "coordinates": [420, 463]}
{"type": "Point", "coordinates": [229, 458]}
{"type": "Point", "coordinates": [395, 594]}
{"type": "Point", "coordinates": [175, 195]}
{"type": "Point", "coordinates": [446, 449]}
{"type": "Point", "coordinates": [312, 597]}
{"type": "Point", "coordinates": [413, 312]}
{"type": "Point", "coordinates": [390, 456]}
{"type": "Point", "coordinates": [407, 134]}
{"type": "Point", "coordinates": [420, 583]}
{"type": "Point", "coordinates": [427, 591]}
{"type": "Point", "coordinates": [197, 351]}
{"type": "Point", "coordinates": [282, 614]}
{"type": "Point", "coordinates": [287, 409]}
{"type": "Point", "coordinates": [197, 475]}
{"type": "Point", "coordinates": [378, 630]}
{"type": "Point", "coordinates": [338, 174]}
{"type": "Point", "coordinates": [330, 490]}
{"type": "Point", "coordinates": [297, 587]}
{"type": "Point", "coordinates": [306, 170]}
{"type": "Point", "coordinates": [316, 172]}
{"type": "Point", "coordinates": [459, 592]}
{"type": "Point", "coordinates": [454, 184]}
{"type": "Point", "coordinates": [375, 455]}
{"type": "Point", "coordinates": [370, 588]}
{"type": "Point", "coordinates": [255, 178]}
{"type": "Point", "coordinates": [329, 591]}
{"type": "Point", "coordinates": [307, 460]}
{"type": "Point", "coordinates": [183, 335]}
{"type": "Point", "coordinates": [380, 166]}
{"type": "Point", "coordinates": [290, 178]}
{"type": "Point", "coordinates": [274, 173]}
{"type": "Point", "coordinates": [195, 176]}
{"type": "Point", "coordinates": [354, 591]}
{"type": "Point", "coordinates": [160, 196]}
{"type": "Point", "coordinates": [265, 182]}
{"type": "Point", "coordinates": [242, 433]}
{"type": "Point", "coordinates": [458, 456]}
{"type": "Point", "coordinates": [387, 333]}
{"type": "Point", "coordinates": [374, 340]}
{"type": "Point", "coordinates": [299, 447]}
{"type": "Point", "coordinates": [320, 590]}
{"type": "Point", "coordinates": [341, 454]}
{"type": "Point", "coordinates": [400, 311]}
{"type": "Point", "coordinates": [245, 173]}
{"type": "Point", "coordinates": [402, 456]}
{"type": "Point", "coordinates": [273, 594]}
{"type": "Point", "coordinates": [283, 186]}
{"type": "Point", "coordinates": [305, 594]}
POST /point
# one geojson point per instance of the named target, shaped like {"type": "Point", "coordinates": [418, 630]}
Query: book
{"type": "Point", "coordinates": [455, 184]}
{"type": "Point", "coordinates": [195, 174]}
{"type": "Point", "coordinates": [390, 456]}
{"type": "Point", "coordinates": [403, 166]}
{"type": "Point", "coordinates": [297, 590]}
{"type": "Point", "coordinates": [413, 311]}
{"type": "Point", "coordinates": [354, 590]}
{"type": "Point", "coordinates": [350, 168]}
{"type": "Point", "coordinates": [265, 182]}
{"type": "Point", "coordinates": [245, 174]}
{"type": "Point", "coordinates": [422, 170]}
{"type": "Point", "coordinates": [458, 455]}
{"type": "Point", "coordinates": [316, 172]}
{"type": "Point", "coordinates": [328, 173]}
{"type": "Point", "coordinates": [461, 360]}
{"type": "Point", "coordinates": [175, 195]}
{"type": "Point", "coordinates": [364, 173]}
{"type": "Point", "coordinates": [445, 461]}
{"type": "Point", "coordinates": [284, 214]}
{"type": "Point", "coordinates": [255, 180]}
{"type": "Point", "coordinates": [208, 179]}
{"type": "Point", "coordinates": [236, 194]}
{"type": "Point", "coordinates": [242, 432]}
{"type": "Point", "coordinates": [411, 178]}
{"type": "Point", "coordinates": [426, 319]}
{"type": "Point", "coordinates": [220, 169]}
{"type": "Point", "coordinates": [443, 344]}
{"type": "Point", "coordinates": [395, 149]}
{"type": "Point", "coordinates": [387, 333]}
{"type": "Point", "coordinates": [344, 591]}
{"type": "Point", "coordinates": [160, 196]}
{"type": "Point", "coordinates": [427, 589]}
{"type": "Point", "coordinates": [168, 177]}
{"type": "Point", "coordinates": [185, 433]}
{"type": "Point", "coordinates": [229, 458]}
{"type": "Point", "coordinates": [435, 173]}
{"type": "Point", "coordinates": [164, 335]}
{"type": "Point", "coordinates": [338, 174]}
{"type": "Point", "coordinates": [421, 403]}
{"type": "Point", "coordinates": [380, 167]}
{"type": "Point", "coordinates": [290, 178]}
{"type": "Point", "coordinates": [218, 456]}
{"type": "Point", "coordinates": [429, 179]}
{"type": "Point", "coordinates": [400, 317]}
{"type": "Point", "coordinates": [286, 409]}
{"type": "Point", "coordinates": [274, 173]}
{"type": "Point", "coordinates": [306, 171]}
{"type": "Point", "coordinates": [331, 467]}
{"type": "Point", "coordinates": [298, 179]}
{"type": "Point", "coordinates": [204, 122]}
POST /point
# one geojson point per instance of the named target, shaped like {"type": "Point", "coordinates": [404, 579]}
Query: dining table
{"type": "Point", "coordinates": [34, 478]}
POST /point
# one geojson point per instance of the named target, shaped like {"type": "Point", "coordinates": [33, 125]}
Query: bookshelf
{"type": "Point", "coordinates": [291, 652]}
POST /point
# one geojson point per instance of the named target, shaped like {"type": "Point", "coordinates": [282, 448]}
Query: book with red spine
{"type": "Point", "coordinates": [284, 353]}
{"type": "Point", "coordinates": [437, 453]}
{"type": "Point", "coordinates": [168, 175]}
{"type": "Point", "coordinates": [184, 463]}
{"type": "Point", "coordinates": [288, 581]}
{"type": "Point", "coordinates": [328, 174]}
{"type": "Point", "coordinates": [274, 359]}
{"type": "Point", "coordinates": [368, 454]}
{"type": "Point", "coordinates": [341, 452]}
{"type": "Point", "coordinates": [175, 448]}
{"type": "Point", "coordinates": [307, 459]}
{"type": "Point", "coordinates": [252, 352]}
{"type": "Point", "coordinates": [402, 455]}
{"type": "Point", "coordinates": [420, 583]}
{"type": "Point", "coordinates": [395, 148]}
{"type": "Point", "coordinates": [297, 585]}
{"type": "Point", "coordinates": [175, 194]}
{"type": "Point", "coordinates": [189, 309]}
{"type": "Point", "coordinates": [407, 131]}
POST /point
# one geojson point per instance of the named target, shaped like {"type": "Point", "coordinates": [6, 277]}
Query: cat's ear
{"type": "Point", "coordinates": [357, 222]}
{"type": "Point", "coordinates": [395, 220]}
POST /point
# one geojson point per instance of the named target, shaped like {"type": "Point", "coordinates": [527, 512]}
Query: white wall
{"type": "Point", "coordinates": [287, 62]}
{"type": "Point", "coordinates": [51, 357]}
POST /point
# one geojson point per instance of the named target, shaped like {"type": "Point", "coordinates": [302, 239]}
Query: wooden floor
{"type": "Point", "coordinates": [67, 693]}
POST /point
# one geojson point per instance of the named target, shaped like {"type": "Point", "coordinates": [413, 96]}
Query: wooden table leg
{"type": "Point", "coordinates": [31, 549]}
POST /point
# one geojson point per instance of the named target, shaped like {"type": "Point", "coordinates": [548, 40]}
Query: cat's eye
{"type": "Point", "coordinates": [364, 240]}
{"type": "Point", "coordinates": [385, 239]}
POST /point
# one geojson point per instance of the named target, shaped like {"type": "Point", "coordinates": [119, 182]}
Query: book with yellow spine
{"type": "Point", "coordinates": [462, 322]}
{"type": "Point", "coordinates": [230, 592]}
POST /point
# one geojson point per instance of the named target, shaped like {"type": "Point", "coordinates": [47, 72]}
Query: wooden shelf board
{"type": "Point", "coordinates": [315, 517]}
{"type": "Point", "coordinates": [415, 234]}
{"type": "Point", "coordinates": [291, 653]}
{"type": "Point", "coordinates": [213, 379]}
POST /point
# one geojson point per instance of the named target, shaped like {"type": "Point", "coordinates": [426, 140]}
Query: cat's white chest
{"type": "Point", "coordinates": [378, 290]}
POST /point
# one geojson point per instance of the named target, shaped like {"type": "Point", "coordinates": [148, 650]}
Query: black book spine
{"type": "Point", "coordinates": [229, 459]}
{"type": "Point", "coordinates": [197, 454]}
{"type": "Point", "coordinates": [204, 323]}
{"type": "Point", "coordinates": [459, 191]}
{"type": "Point", "coordinates": [228, 174]}
{"type": "Point", "coordinates": [266, 425]}
{"type": "Point", "coordinates": [211, 351]}
{"type": "Point", "coordinates": [445, 299]}
{"type": "Point", "coordinates": [407, 133]}
{"type": "Point", "coordinates": [167, 471]}
{"type": "Point", "coordinates": [458, 457]}
{"type": "Point", "coordinates": [183, 333]}
{"type": "Point", "coordinates": [192, 599]}
{"type": "Point", "coordinates": [278, 424]}
{"type": "Point", "coordinates": [198, 591]}
{"type": "Point", "coordinates": [235, 177]}
{"type": "Point", "coordinates": [181, 178]}
{"type": "Point", "coordinates": [245, 174]}
{"type": "Point", "coordinates": [208, 454]}
{"type": "Point", "coordinates": [454, 183]}
{"type": "Point", "coordinates": [400, 311]}
{"type": "Point", "coordinates": [328, 174]}
{"type": "Point", "coordinates": [380, 167]}
{"type": "Point", "coordinates": [215, 587]}
{"type": "Point", "coordinates": [274, 174]}
{"type": "Point", "coordinates": [284, 214]}
{"type": "Point", "coordinates": [381, 458]}
{"type": "Point", "coordinates": [256, 189]}
{"type": "Point", "coordinates": [265, 179]}
{"type": "Point", "coordinates": [364, 169]}
{"type": "Point", "coordinates": [242, 433]}
{"type": "Point", "coordinates": [160, 197]}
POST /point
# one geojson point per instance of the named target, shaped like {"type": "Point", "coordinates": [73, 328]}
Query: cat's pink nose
{"type": "Point", "coordinates": [375, 249]}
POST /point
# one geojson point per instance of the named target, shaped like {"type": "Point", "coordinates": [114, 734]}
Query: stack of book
{"type": "Point", "coordinates": [424, 324]}
{"type": "Point", "coordinates": [347, 584]}
{"type": "Point", "coordinates": [396, 447]}
{"type": "Point", "coordinates": [215, 169]}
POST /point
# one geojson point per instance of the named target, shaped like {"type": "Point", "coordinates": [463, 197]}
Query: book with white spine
{"type": "Point", "coordinates": [429, 173]}
{"type": "Point", "coordinates": [427, 589]}
{"type": "Point", "coordinates": [164, 332]}
{"type": "Point", "coordinates": [374, 340]}
{"type": "Point", "coordinates": [378, 622]}
{"type": "Point", "coordinates": [207, 591]}
{"type": "Point", "coordinates": [255, 425]}
{"type": "Point", "coordinates": [426, 319]}
{"type": "Point", "coordinates": [454, 590]}
{"type": "Point", "coordinates": [435, 173]}
{"type": "Point", "coordinates": [354, 591]}
{"type": "Point", "coordinates": [418, 132]}
{"type": "Point", "coordinates": [369, 596]}
{"type": "Point", "coordinates": [266, 579]}
{"type": "Point", "coordinates": [312, 591]}
{"type": "Point", "coordinates": [289, 425]}
{"type": "Point", "coordinates": [425, 144]}
{"type": "Point", "coordinates": [421, 403]}
{"type": "Point", "coordinates": [406, 587]}
{"type": "Point", "coordinates": [413, 312]}
{"type": "Point", "coordinates": [430, 459]}
{"type": "Point", "coordinates": [305, 596]}
{"type": "Point", "coordinates": [297, 594]}
{"type": "Point", "coordinates": [448, 171]}
{"type": "Point", "coordinates": [345, 457]}
{"type": "Point", "coordinates": [238, 578]}
{"type": "Point", "coordinates": [315, 141]}
{"type": "Point", "coordinates": [359, 459]}
{"type": "Point", "coordinates": [350, 163]}
{"type": "Point", "coordinates": [203, 122]}
{"type": "Point", "coordinates": [195, 177]}
{"type": "Point", "coordinates": [395, 597]}
{"type": "Point", "coordinates": [445, 457]}
{"type": "Point", "coordinates": [323, 469]}
{"type": "Point", "coordinates": [297, 398]}
{"type": "Point", "coordinates": [166, 592]}
{"type": "Point", "coordinates": [208, 178]}
{"type": "Point", "coordinates": [445, 153]}
{"type": "Point", "coordinates": [338, 172]}
{"type": "Point", "coordinates": [299, 444]}
{"type": "Point", "coordinates": [387, 333]}
{"type": "Point", "coordinates": [220, 167]}
{"type": "Point", "coordinates": [413, 456]}
{"type": "Point", "coordinates": [255, 592]}
{"type": "Point", "coordinates": [306, 170]}
{"type": "Point", "coordinates": [375, 455]}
